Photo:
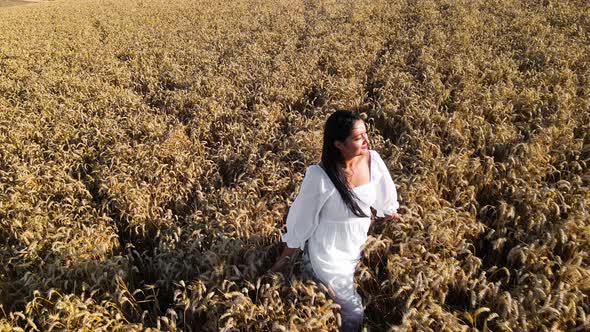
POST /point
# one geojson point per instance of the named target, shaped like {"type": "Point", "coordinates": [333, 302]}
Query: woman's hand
{"type": "Point", "coordinates": [286, 256]}
{"type": "Point", "coordinates": [392, 217]}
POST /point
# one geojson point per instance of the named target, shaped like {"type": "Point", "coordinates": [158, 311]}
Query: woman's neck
{"type": "Point", "coordinates": [352, 162]}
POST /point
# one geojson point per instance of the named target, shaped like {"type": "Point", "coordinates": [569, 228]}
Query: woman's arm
{"type": "Point", "coordinates": [302, 218]}
{"type": "Point", "coordinates": [386, 204]}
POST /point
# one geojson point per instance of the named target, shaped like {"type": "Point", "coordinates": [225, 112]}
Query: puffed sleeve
{"type": "Point", "coordinates": [386, 202]}
{"type": "Point", "coordinates": [302, 218]}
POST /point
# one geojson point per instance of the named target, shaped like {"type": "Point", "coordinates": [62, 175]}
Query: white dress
{"type": "Point", "coordinates": [334, 235]}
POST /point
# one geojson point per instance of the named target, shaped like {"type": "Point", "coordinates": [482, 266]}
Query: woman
{"type": "Point", "coordinates": [331, 213]}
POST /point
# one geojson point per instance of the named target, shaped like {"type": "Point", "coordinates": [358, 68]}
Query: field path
{"type": "Point", "coordinates": [13, 3]}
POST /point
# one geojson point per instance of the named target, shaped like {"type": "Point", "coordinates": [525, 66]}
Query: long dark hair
{"type": "Point", "coordinates": [337, 128]}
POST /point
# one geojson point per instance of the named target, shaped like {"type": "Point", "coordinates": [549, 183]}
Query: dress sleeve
{"type": "Point", "coordinates": [386, 202]}
{"type": "Point", "coordinates": [303, 216]}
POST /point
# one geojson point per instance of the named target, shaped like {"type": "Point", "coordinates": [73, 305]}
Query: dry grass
{"type": "Point", "coordinates": [149, 152]}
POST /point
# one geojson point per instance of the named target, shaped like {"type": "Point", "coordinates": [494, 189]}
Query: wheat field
{"type": "Point", "coordinates": [150, 150]}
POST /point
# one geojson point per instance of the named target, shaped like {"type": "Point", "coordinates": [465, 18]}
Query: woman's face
{"type": "Point", "coordinates": [357, 143]}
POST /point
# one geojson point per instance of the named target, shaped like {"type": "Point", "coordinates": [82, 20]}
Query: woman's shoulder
{"type": "Point", "coordinates": [377, 163]}
{"type": "Point", "coordinates": [374, 153]}
{"type": "Point", "coordinates": [317, 177]}
{"type": "Point", "coordinates": [375, 156]}
{"type": "Point", "coordinates": [315, 170]}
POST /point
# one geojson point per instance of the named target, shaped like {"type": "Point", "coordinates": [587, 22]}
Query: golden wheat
{"type": "Point", "coordinates": [149, 152]}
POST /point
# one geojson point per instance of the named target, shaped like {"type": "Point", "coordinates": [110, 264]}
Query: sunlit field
{"type": "Point", "coordinates": [150, 150]}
